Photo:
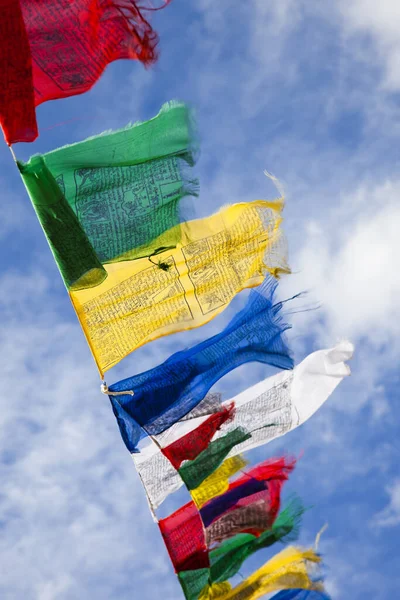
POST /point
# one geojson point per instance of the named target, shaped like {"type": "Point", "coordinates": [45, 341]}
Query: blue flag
{"type": "Point", "coordinates": [166, 393]}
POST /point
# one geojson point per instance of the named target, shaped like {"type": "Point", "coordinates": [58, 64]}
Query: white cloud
{"type": "Point", "coordinates": [390, 516]}
{"type": "Point", "coordinates": [348, 260]}
{"type": "Point", "coordinates": [379, 21]}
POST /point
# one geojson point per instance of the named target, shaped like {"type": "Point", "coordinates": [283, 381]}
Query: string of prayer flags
{"type": "Point", "coordinates": [136, 270]}
{"type": "Point", "coordinates": [301, 595]}
{"type": "Point", "coordinates": [166, 393]}
{"type": "Point", "coordinates": [267, 410]}
{"type": "Point", "coordinates": [126, 303]}
{"type": "Point", "coordinates": [53, 49]}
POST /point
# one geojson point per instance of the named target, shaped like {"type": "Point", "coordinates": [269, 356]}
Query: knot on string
{"type": "Point", "coordinates": [104, 390]}
{"type": "Point", "coordinates": [161, 265]}
{"type": "Point", "coordinates": [164, 266]}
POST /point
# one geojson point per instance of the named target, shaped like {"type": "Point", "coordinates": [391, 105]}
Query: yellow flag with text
{"type": "Point", "coordinates": [185, 286]}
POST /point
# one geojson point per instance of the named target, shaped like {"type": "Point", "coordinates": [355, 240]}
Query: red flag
{"type": "Point", "coordinates": [52, 49]}
{"type": "Point", "coordinates": [184, 537]}
{"type": "Point", "coordinates": [193, 443]}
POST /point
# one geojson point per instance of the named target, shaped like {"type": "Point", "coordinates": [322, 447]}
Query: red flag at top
{"type": "Point", "coordinates": [52, 49]}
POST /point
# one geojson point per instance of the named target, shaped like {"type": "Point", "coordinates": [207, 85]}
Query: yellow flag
{"type": "Point", "coordinates": [218, 482]}
{"type": "Point", "coordinates": [287, 570]}
{"type": "Point", "coordinates": [188, 286]}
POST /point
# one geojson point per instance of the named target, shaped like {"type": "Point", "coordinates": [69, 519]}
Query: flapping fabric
{"type": "Point", "coordinates": [53, 49]}
{"type": "Point", "coordinates": [217, 257]}
{"type": "Point", "coordinates": [229, 556]}
{"type": "Point", "coordinates": [265, 479]}
{"type": "Point", "coordinates": [218, 482]}
{"type": "Point", "coordinates": [194, 472]}
{"type": "Point", "coordinates": [184, 537]}
{"type": "Point", "coordinates": [168, 392]}
{"type": "Point", "coordinates": [111, 197]}
{"type": "Point", "coordinates": [215, 591]}
{"type": "Point", "coordinates": [292, 567]}
{"type": "Point", "coordinates": [189, 446]}
{"type": "Point", "coordinates": [254, 518]}
{"type": "Point", "coordinates": [267, 410]}
{"type": "Point", "coordinates": [194, 582]}
{"type": "Point", "coordinates": [185, 534]}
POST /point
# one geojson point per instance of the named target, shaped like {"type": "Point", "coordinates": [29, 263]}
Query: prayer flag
{"type": "Point", "coordinates": [229, 556]}
{"type": "Point", "coordinates": [52, 49]}
{"type": "Point", "coordinates": [193, 582]}
{"type": "Point", "coordinates": [184, 537]}
{"type": "Point", "coordinates": [194, 472]}
{"type": "Point", "coordinates": [166, 393]}
{"type": "Point", "coordinates": [267, 410]}
{"type": "Point", "coordinates": [253, 518]}
{"type": "Point", "coordinates": [110, 197]}
{"type": "Point", "coordinates": [216, 258]}
{"type": "Point", "coordinates": [218, 482]}
{"type": "Point", "coordinates": [189, 446]}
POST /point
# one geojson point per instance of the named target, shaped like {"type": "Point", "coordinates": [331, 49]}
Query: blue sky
{"type": "Point", "coordinates": [309, 91]}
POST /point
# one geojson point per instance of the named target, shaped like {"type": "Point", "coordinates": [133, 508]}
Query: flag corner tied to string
{"type": "Point", "coordinates": [59, 48]}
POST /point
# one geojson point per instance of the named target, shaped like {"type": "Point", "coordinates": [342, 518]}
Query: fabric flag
{"type": "Point", "coordinates": [184, 537]}
{"type": "Point", "coordinates": [292, 567]}
{"type": "Point", "coordinates": [301, 595]}
{"type": "Point", "coordinates": [267, 410]}
{"type": "Point", "coordinates": [110, 197]}
{"type": "Point", "coordinates": [194, 472]}
{"type": "Point", "coordinates": [217, 257]}
{"type": "Point", "coordinates": [53, 49]}
{"type": "Point", "coordinates": [227, 558]}
{"type": "Point", "coordinates": [189, 446]}
{"type": "Point", "coordinates": [218, 482]}
{"type": "Point", "coordinates": [254, 518]}
{"type": "Point", "coordinates": [167, 392]}
{"type": "Point", "coordinates": [139, 301]}
{"type": "Point", "coordinates": [194, 582]}
{"type": "Point", "coordinates": [184, 530]}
